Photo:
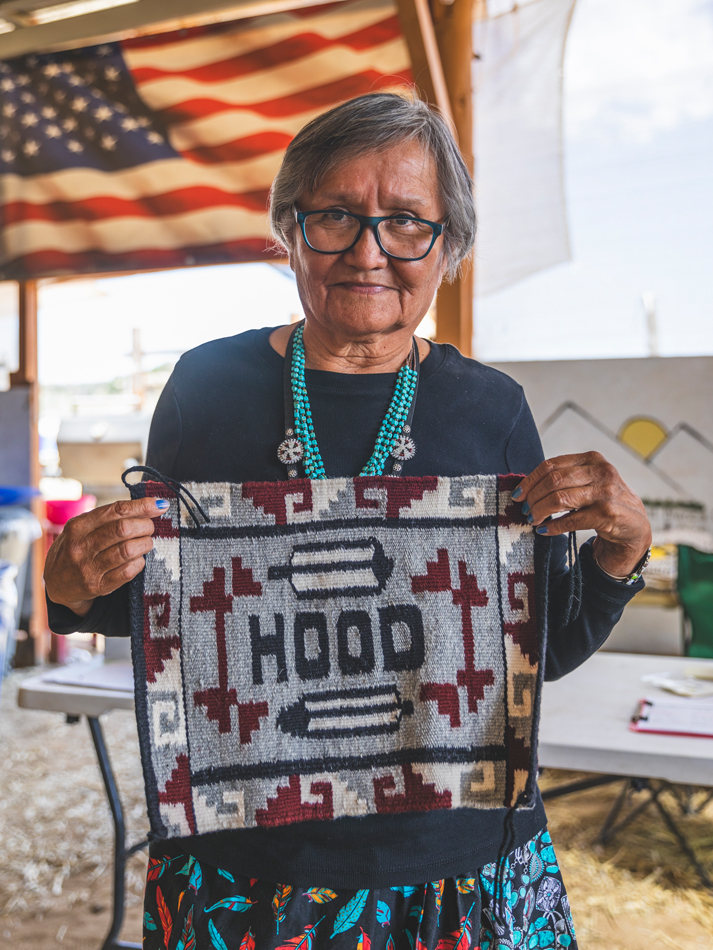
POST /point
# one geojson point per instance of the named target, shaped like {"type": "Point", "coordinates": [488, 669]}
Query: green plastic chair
{"type": "Point", "coordinates": [695, 591]}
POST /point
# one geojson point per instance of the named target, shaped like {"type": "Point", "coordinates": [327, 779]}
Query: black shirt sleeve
{"type": "Point", "coordinates": [166, 433]}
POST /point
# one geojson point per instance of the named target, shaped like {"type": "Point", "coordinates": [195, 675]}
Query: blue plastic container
{"type": "Point", "coordinates": [17, 494]}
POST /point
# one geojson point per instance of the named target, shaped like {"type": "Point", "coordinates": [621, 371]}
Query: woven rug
{"type": "Point", "coordinates": [337, 647]}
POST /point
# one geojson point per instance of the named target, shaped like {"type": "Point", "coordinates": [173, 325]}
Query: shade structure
{"type": "Point", "coordinates": [517, 81]}
{"type": "Point", "coordinates": [160, 151]}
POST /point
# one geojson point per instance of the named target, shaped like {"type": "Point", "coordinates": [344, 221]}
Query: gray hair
{"type": "Point", "coordinates": [371, 123]}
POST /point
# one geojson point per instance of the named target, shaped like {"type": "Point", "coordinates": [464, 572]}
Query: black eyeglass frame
{"type": "Point", "coordinates": [372, 223]}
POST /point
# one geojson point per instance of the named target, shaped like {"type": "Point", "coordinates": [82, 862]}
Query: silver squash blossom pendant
{"type": "Point", "coordinates": [290, 452]}
{"type": "Point", "coordinates": [404, 448]}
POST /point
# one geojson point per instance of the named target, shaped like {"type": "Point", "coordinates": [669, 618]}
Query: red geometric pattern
{"type": "Point", "coordinates": [418, 795]}
{"type": "Point", "coordinates": [447, 699]}
{"type": "Point", "coordinates": [287, 805]}
{"type": "Point", "coordinates": [400, 492]}
{"type": "Point", "coordinates": [523, 632]}
{"type": "Point", "coordinates": [219, 699]}
{"type": "Point", "coordinates": [249, 715]}
{"type": "Point", "coordinates": [438, 578]}
{"type": "Point", "coordinates": [510, 511]}
{"type": "Point", "coordinates": [178, 790]}
{"type": "Point", "coordinates": [244, 584]}
{"type": "Point", "coordinates": [157, 650]}
{"type": "Point", "coordinates": [272, 497]}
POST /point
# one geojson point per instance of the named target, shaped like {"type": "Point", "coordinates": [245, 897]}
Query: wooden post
{"type": "Point", "coordinates": [453, 23]}
{"type": "Point", "coordinates": [428, 76]}
{"type": "Point", "coordinates": [27, 376]}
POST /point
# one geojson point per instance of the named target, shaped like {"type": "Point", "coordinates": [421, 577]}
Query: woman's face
{"type": "Point", "coordinates": [362, 293]}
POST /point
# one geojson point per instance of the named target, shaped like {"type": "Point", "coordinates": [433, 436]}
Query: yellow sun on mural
{"type": "Point", "coordinates": [642, 434]}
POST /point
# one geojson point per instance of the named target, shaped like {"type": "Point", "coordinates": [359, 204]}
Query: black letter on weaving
{"type": "Point", "coordinates": [413, 657]}
{"type": "Point", "coordinates": [318, 667]}
{"type": "Point", "coordinates": [364, 661]}
{"type": "Point", "coordinates": [272, 645]}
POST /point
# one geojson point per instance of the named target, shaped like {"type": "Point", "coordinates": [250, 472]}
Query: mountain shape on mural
{"type": "Point", "coordinates": [681, 468]}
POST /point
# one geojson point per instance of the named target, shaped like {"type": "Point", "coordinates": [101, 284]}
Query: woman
{"type": "Point", "coordinates": [374, 206]}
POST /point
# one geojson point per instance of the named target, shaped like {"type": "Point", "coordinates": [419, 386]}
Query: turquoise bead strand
{"type": "Point", "coordinates": [391, 427]}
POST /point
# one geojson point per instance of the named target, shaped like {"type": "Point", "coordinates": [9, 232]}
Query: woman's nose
{"type": "Point", "coordinates": [366, 252]}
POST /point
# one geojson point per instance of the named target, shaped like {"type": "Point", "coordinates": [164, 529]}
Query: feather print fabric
{"type": "Point", "coordinates": [225, 912]}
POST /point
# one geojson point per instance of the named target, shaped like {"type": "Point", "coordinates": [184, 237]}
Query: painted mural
{"type": "Point", "coordinates": [651, 418]}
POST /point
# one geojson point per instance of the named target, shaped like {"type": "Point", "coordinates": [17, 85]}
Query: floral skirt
{"type": "Point", "coordinates": [191, 906]}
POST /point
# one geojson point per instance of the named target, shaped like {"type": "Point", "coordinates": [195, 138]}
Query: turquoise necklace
{"type": "Point", "coordinates": [300, 444]}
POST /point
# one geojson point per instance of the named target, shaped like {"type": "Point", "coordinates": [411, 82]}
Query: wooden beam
{"type": "Point", "coordinates": [453, 24]}
{"type": "Point", "coordinates": [27, 376]}
{"type": "Point", "coordinates": [135, 19]}
{"type": "Point", "coordinates": [426, 66]}
{"type": "Point", "coordinates": [27, 370]}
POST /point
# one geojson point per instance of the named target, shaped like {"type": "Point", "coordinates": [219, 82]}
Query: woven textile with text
{"type": "Point", "coordinates": [337, 647]}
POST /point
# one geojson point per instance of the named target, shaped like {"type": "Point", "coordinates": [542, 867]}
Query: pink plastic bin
{"type": "Point", "coordinates": [60, 510]}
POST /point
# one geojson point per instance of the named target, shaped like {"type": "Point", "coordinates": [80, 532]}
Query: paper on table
{"type": "Point", "coordinates": [687, 717]}
{"type": "Point", "coordinates": [683, 684]}
{"type": "Point", "coordinates": [117, 675]}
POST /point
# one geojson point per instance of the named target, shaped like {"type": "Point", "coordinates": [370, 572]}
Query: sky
{"type": "Point", "coordinates": [638, 160]}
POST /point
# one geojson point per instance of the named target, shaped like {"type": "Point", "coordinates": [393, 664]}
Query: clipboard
{"type": "Point", "coordinates": [675, 717]}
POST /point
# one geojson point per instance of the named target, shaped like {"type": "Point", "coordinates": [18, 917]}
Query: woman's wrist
{"type": "Point", "coordinates": [79, 607]}
{"type": "Point", "coordinates": [618, 561]}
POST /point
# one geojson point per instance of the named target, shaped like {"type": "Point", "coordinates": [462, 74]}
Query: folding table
{"type": "Point", "coordinates": [113, 689]}
{"type": "Point", "coordinates": [585, 727]}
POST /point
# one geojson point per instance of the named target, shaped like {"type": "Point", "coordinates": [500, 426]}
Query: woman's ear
{"type": "Point", "coordinates": [443, 267]}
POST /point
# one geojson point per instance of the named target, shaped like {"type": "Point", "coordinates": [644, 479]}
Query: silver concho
{"type": "Point", "coordinates": [404, 449]}
{"type": "Point", "coordinates": [290, 451]}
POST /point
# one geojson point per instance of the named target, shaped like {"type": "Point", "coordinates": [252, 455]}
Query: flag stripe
{"type": "Point", "coordinates": [122, 235]}
{"type": "Point", "coordinates": [60, 262]}
{"type": "Point", "coordinates": [155, 178]}
{"type": "Point", "coordinates": [108, 206]}
{"type": "Point", "coordinates": [240, 149]}
{"type": "Point", "coordinates": [264, 85]}
{"type": "Point", "coordinates": [228, 126]}
{"type": "Point", "coordinates": [319, 97]}
{"type": "Point", "coordinates": [180, 52]}
{"type": "Point", "coordinates": [294, 48]}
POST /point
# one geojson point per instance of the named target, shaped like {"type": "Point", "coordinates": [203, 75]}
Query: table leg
{"type": "Point", "coordinates": [681, 838]}
{"type": "Point", "coordinates": [611, 827]}
{"type": "Point", "coordinates": [120, 852]}
{"type": "Point", "coordinates": [558, 790]}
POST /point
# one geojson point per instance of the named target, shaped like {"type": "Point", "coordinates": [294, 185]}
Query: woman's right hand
{"type": "Point", "coordinates": [100, 551]}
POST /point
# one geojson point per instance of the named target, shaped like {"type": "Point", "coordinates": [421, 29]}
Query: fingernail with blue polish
{"type": "Point", "coordinates": [162, 504]}
{"type": "Point", "coordinates": [530, 519]}
{"type": "Point", "coordinates": [526, 509]}
{"type": "Point", "coordinates": [542, 529]}
{"type": "Point", "coordinates": [516, 494]}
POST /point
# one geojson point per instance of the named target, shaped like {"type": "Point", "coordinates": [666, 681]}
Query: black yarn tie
{"type": "Point", "coordinates": [180, 491]}
{"type": "Point", "coordinates": [574, 581]}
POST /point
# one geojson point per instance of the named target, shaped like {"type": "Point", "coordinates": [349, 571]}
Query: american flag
{"type": "Point", "coordinates": [159, 152]}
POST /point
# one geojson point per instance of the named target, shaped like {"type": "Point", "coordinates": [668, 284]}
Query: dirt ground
{"type": "Point", "coordinates": [56, 842]}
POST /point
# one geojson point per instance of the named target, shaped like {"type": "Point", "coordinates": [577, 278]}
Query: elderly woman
{"type": "Point", "coordinates": [374, 206]}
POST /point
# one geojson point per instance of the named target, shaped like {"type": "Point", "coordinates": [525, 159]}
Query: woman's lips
{"type": "Point", "coordinates": [366, 289]}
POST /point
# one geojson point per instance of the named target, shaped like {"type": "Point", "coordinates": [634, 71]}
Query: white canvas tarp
{"type": "Point", "coordinates": [517, 79]}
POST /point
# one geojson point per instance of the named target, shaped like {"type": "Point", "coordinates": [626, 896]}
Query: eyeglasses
{"type": "Point", "coordinates": [399, 236]}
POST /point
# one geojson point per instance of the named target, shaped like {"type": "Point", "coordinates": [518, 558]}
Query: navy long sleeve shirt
{"type": "Point", "coordinates": [221, 418]}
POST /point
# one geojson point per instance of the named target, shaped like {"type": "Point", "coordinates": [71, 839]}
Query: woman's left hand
{"type": "Point", "coordinates": [595, 497]}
